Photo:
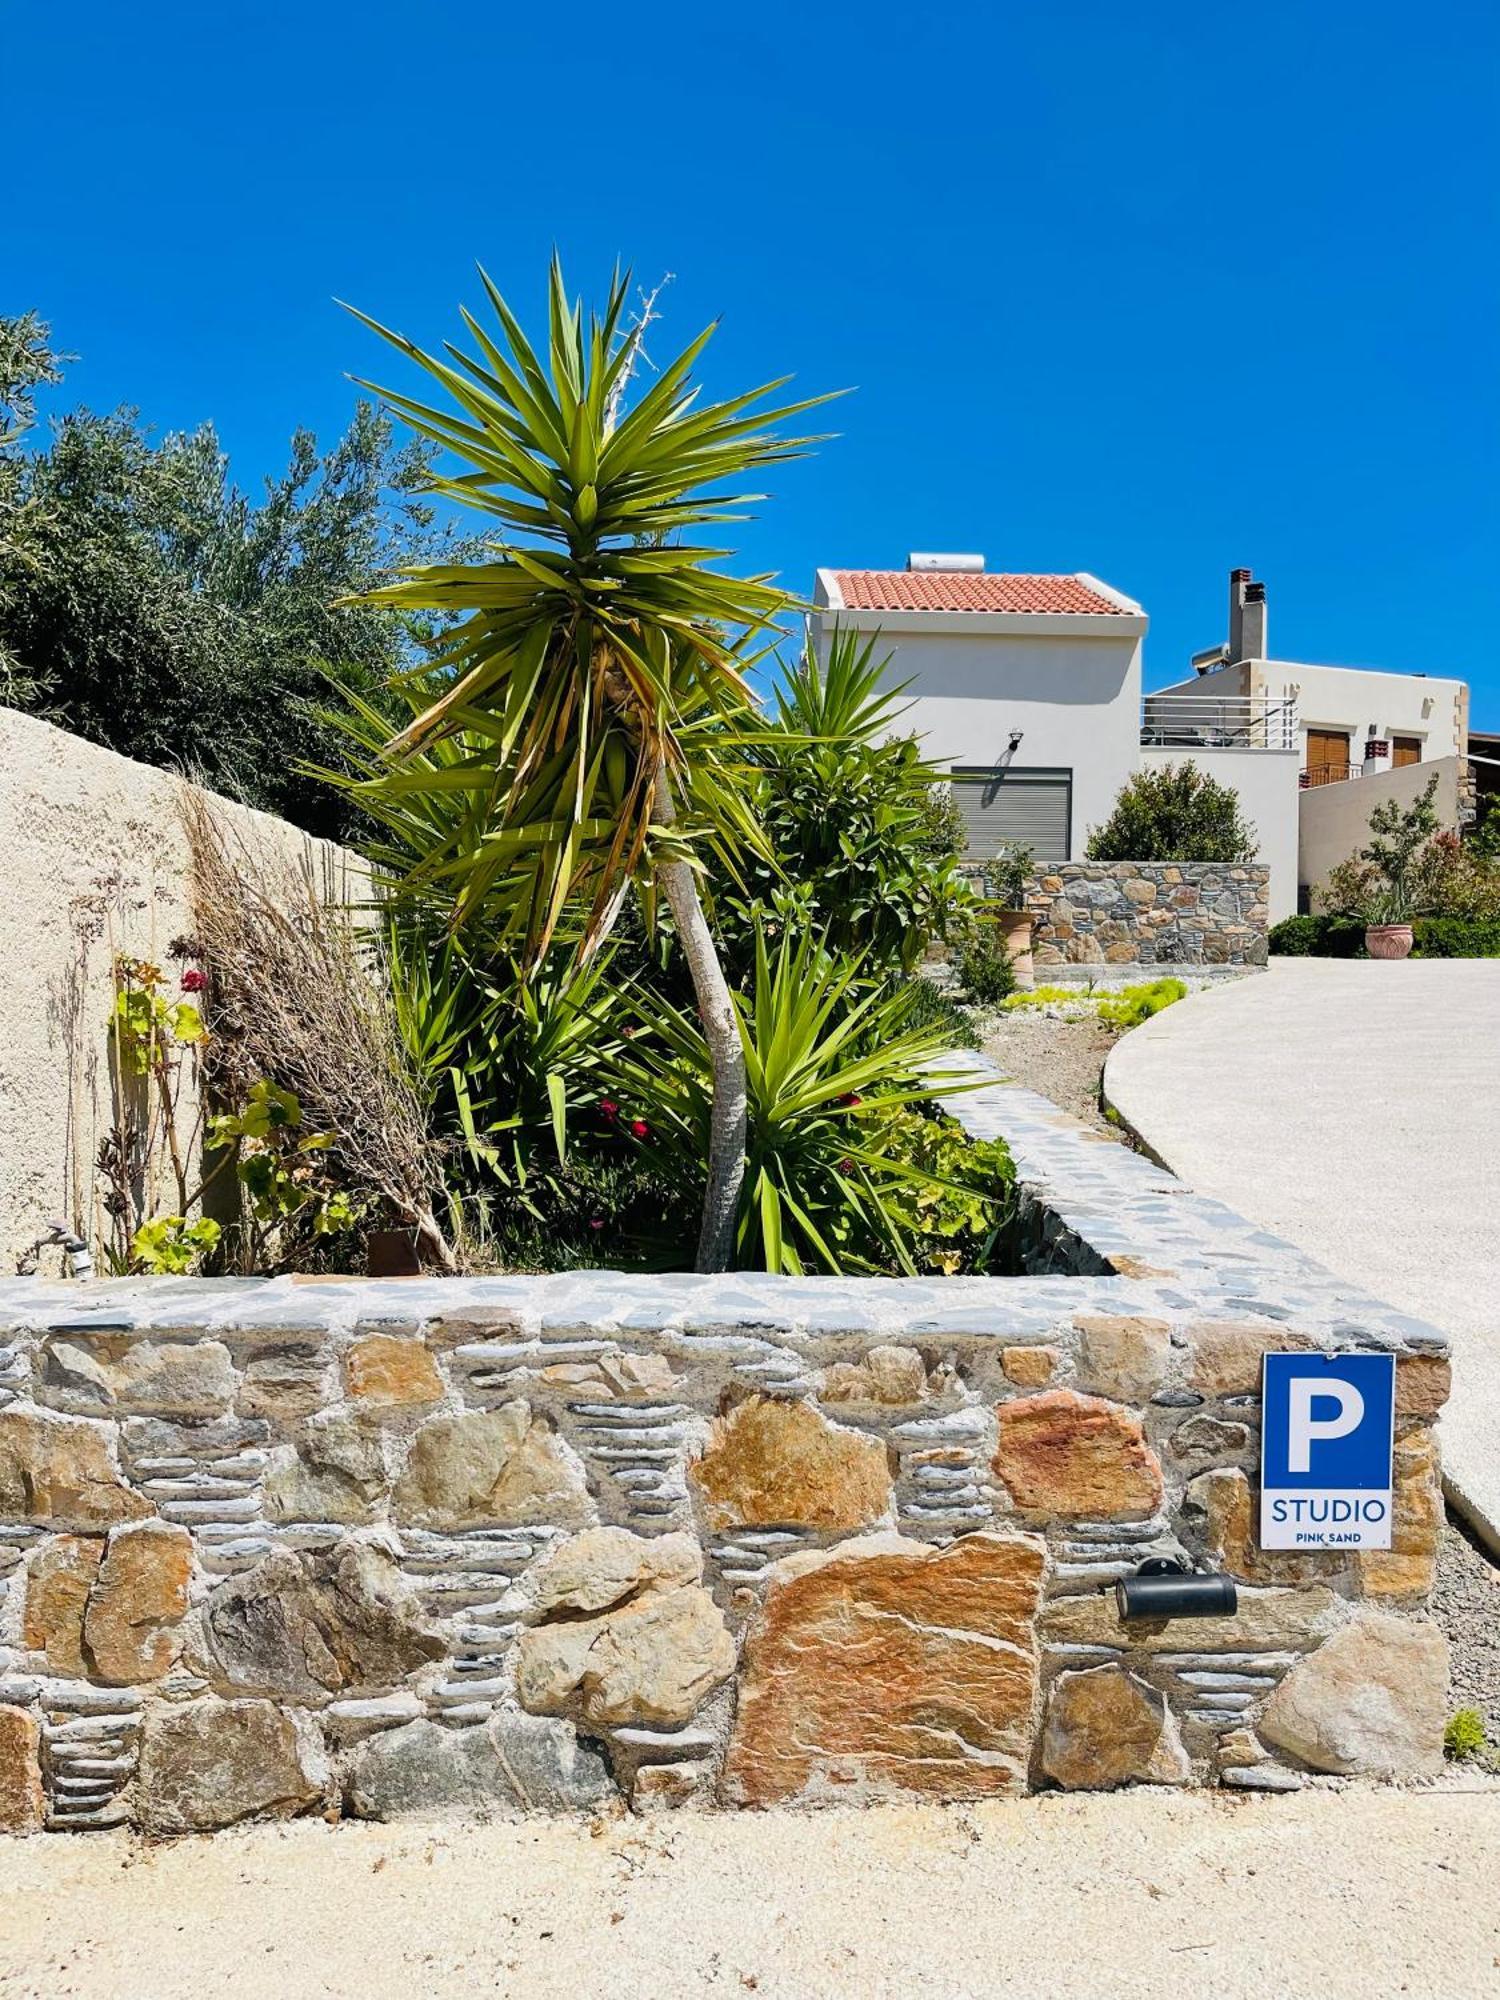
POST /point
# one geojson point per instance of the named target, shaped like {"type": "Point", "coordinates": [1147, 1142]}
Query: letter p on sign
{"type": "Point", "coordinates": [1303, 1426]}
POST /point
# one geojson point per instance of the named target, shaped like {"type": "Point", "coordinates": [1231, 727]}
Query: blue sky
{"type": "Point", "coordinates": [1150, 292]}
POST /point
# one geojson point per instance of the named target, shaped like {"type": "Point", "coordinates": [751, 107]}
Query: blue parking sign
{"type": "Point", "coordinates": [1326, 1442]}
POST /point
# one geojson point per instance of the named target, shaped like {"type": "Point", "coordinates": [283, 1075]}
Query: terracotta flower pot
{"type": "Point", "coordinates": [1388, 940]}
{"type": "Point", "coordinates": [1015, 931]}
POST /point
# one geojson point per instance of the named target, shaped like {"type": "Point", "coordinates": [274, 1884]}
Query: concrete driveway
{"type": "Point", "coordinates": [1354, 1108]}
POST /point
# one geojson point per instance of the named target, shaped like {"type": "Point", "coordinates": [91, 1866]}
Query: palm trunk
{"type": "Point", "coordinates": [726, 1145]}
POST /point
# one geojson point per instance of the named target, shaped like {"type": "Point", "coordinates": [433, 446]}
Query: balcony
{"type": "Point", "coordinates": [1218, 722]}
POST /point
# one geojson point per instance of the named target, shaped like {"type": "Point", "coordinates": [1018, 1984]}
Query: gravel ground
{"type": "Point", "coordinates": [1062, 1059]}
{"type": "Point", "coordinates": [1466, 1604]}
{"type": "Point", "coordinates": [1364, 1892]}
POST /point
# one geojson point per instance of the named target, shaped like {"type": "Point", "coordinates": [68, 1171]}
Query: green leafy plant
{"type": "Point", "coordinates": [289, 1175]}
{"type": "Point", "coordinates": [170, 1245]}
{"type": "Point", "coordinates": [506, 1062]}
{"type": "Point", "coordinates": [1465, 1736]}
{"type": "Point", "coordinates": [952, 1209]}
{"type": "Point", "coordinates": [1453, 937]}
{"type": "Point", "coordinates": [861, 843]}
{"type": "Point", "coordinates": [1010, 874]}
{"type": "Point", "coordinates": [983, 966]}
{"type": "Point", "coordinates": [592, 678]}
{"type": "Point", "coordinates": [1174, 812]}
{"type": "Point", "coordinates": [829, 1055]}
{"type": "Point", "coordinates": [157, 1039]}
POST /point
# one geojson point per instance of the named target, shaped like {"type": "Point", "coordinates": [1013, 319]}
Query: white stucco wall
{"type": "Point", "coordinates": [1072, 689]}
{"type": "Point", "coordinates": [95, 861]}
{"type": "Point", "coordinates": [1335, 819]}
{"type": "Point", "coordinates": [1266, 781]}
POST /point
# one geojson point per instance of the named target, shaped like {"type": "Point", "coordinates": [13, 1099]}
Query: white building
{"type": "Point", "coordinates": [1027, 689]}
{"type": "Point", "coordinates": [1349, 723]}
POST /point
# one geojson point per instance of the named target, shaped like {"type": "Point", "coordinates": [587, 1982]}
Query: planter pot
{"type": "Point", "coordinates": [1015, 932]}
{"type": "Point", "coordinates": [1388, 940]}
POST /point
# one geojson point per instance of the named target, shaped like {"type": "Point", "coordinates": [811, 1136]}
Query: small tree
{"type": "Point", "coordinates": [1174, 813]}
{"type": "Point", "coordinates": [1398, 835]}
{"type": "Point", "coordinates": [590, 697]}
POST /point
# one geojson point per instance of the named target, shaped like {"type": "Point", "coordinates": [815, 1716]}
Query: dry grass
{"type": "Point", "coordinates": [298, 997]}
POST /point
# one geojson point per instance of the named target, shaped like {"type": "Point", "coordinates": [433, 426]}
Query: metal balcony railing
{"type": "Point", "coordinates": [1218, 722]}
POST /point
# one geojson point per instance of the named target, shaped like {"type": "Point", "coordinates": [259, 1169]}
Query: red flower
{"type": "Point", "coordinates": [608, 1107]}
{"type": "Point", "coordinates": [596, 1222]}
{"type": "Point", "coordinates": [846, 1165]}
{"type": "Point", "coordinates": [194, 982]}
{"type": "Point", "coordinates": [640, 1129]}
{"type": "Point", "coordinates": [851, 1097]}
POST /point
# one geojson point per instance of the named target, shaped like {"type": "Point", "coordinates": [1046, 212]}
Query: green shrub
{"type": "Point", "coordinates": [1135, 1004]}
{"type": "Point", "coordinates": [1295, 937]}
{"type": "Point", "coordinates": [1465, 1735]}
{"type": "Point", "coordinates": [984, 967]}
{"type": "Point", "coordinates": [1453, 937]}
{"type": "Point", "coordinates": [1173, 813]}
{"type": "Point", "coordinates": [1331, 935]}
{"type": "Point", "coordinates": [928, 1005]}
{"type": "Point", "coordinates": [861, 840]}
{"type": "Point", "coordinates": [835, 1180]}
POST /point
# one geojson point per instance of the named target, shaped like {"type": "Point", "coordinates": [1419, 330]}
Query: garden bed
{"type": "Point", "coordinates": [473, 1545]}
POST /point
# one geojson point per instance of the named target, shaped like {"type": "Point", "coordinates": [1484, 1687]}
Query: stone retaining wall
{"type": "Point", "coordinates": [1149, 913]}
{"type": "Point", "coordinates": [480, 1546]}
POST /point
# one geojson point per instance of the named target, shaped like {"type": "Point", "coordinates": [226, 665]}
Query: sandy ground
{"type": "Point", "coordinates": [1361, 1893]}
{"type": "Point", "coordinates": [1350, 1106]}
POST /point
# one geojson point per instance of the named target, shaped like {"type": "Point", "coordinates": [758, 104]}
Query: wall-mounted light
{"type": "Point", "coordinates": [1164, 1588]}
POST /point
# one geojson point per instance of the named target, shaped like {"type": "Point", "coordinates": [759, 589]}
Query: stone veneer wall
{"type": "Point", "coordinates": [479, 1546]}
{"type": "Point", "coordinates": [1149, 913]}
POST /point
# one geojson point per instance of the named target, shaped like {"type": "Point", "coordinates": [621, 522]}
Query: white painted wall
{"type": "Point", "coordinates": [1073, 691]}
{"type": "Point", "coordinates": [96, 860]}
{"type": "Point", "coordinates": [1266, 781]}
{"type": "Point", "coordinates": [1335, 819]}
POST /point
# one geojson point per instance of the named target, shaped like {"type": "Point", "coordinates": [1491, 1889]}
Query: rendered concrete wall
{"type": "Point", "coordinates": [475, 1546]}
{"type": "Point", "coordinates": [1071, 686]}
{"type": "Point", "coordinates": [1335, 819]}
{"type": "Point", "coordinates": [1266, 781]}
{"type": "Point", "coordinates": [93, 861]}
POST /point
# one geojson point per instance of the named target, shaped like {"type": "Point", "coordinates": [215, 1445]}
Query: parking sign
{"type": "Point", "coordinates": [1326, 1441]}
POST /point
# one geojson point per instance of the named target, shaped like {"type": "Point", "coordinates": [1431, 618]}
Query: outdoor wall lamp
{"type": "Point", "coordinates": [1164, 1588]}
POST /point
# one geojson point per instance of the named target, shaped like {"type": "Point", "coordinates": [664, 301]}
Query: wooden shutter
{"type": "Point", "coordinates": [1406, 750]}
{"type": "Point", "coordinates": [1327, 756]}
{"type": "Point", "coordinates": [1034, 807]}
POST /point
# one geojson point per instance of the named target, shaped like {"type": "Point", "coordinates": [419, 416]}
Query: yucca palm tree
{"type": "Point", "coordinates": [596, 657]}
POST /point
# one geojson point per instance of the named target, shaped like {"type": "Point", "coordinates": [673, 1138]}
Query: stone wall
{"type": "Point", "coordinates": [96, 862]}
{"type": "Point", "coordinates": [1195, 913]}
{"type": "Point", "coordinates": [477, 1546]}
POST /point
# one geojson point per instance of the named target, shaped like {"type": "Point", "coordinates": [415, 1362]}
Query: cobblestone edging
{"type": "Point", "coordinates": [1149, 913]}
{"type": "Point", "coordinates": [480, 1545]}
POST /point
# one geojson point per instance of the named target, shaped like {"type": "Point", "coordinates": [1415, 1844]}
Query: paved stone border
{"type": "Point", "coordinates": [480, 1545]}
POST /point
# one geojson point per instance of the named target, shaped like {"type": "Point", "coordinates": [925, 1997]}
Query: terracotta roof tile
{"type": "Point", "coordinates": [967, 590]}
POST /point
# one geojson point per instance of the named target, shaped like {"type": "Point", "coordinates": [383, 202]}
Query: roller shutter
{"type": "Point", "coordinates": [1031, 806]}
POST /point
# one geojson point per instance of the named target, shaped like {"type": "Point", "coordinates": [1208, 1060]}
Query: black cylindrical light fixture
{"type": "Point", "coordinates": [1163, 1588]}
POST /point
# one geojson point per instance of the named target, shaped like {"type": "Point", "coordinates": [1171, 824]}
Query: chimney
{"type": "Point", "coordinates": [1247, 617]}
{"type": "Point", "coordinates": [1253, 628]}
